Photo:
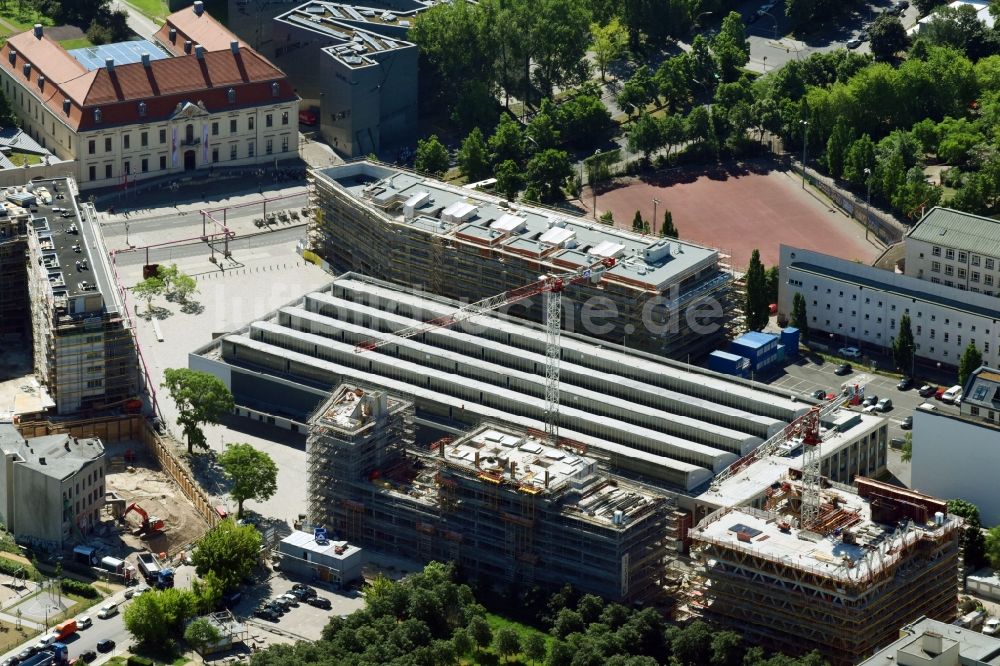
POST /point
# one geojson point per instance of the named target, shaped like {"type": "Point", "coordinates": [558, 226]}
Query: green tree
{"type": "Point", "coordinates": [993, 547]}
{"type": "Point", "coordinates": [253, 474]}
{"type": "Point", "coordinates": [970, 361]}
{"type": "Point", "coordinates": [201, 633]}
{"type": "Point", "coordinates": [230, 551]}
{"type": "Point", "coordinates": [727, 649]}
{"type": "Point", "coordinates": [668, 230]}
{"type": "Point", "coordinates": [903, 347]}
{"type": "Point", "coordinates": [860, 156]}
{"type": "Point", "coordinates": [799, 318]}
{"type": "Point", "coordinates": [462, 641]}
{"type": "Point", "coordinates": [158, 615]}
{"type": "Point", "coordinates": [473, 159]}
{"type": "Point", "coordinates": [973, 542]}
{"type": "Point", "coordinates": [507, 142]}
{"type": "Point", "coordinates": [907, 450]}
{"type": "Point", "coordinates": [837, 146]}
{"type": "Point", "coordinates": [756, 304]}
{"type": "Point", "coordinates": [583, 120]}
{"type": "Point", "coordinates": [506, 642]}
{"type": "Point", "coordinates": [701, 127]}
{"type": "Point", "coordinates": [201, 398]}
{"type": "Point", "coordinates": [548, 170]}
{"type": "Point", "coordinates": [147, 290]}
{"type": "Point", "coordinates": [888, 37]}
{"type": "Point", "coordinates": [730, 47]}
{"type": "Point", "coordinates": [509, 179]}
{"type": "Point", "coordinates": [431, 156]}
{"type": "Point", "coordinates": [639, 225]}
{"type": "Point", "coordinates": [542, 132]}
{"type": "Point", "coordinates": [184, 287]}
{"type": "Point", "coordinates": [7, 117]}
{"type": "Point", "coordinates": [480, 631]}
{"type": "Point", "coordinates": [771, 284]}
{"type": "Point", "coordinates": [209, 591]}
{"type": "Point", "coordinates": [608, 43]}
{"type": "Point", "coordinates": [645, 136]}
{"type": "Point", "coordinates": [535, 648]}
{"type": "Point", "coordinates": [966, 510]}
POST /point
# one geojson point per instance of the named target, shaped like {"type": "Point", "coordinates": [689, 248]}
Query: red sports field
{"type": "Point", "coordinates": [738, 209]}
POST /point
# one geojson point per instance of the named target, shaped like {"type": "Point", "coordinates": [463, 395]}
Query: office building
{"type": "Point", "coordinates": [125, 112]}
{"type": "Point", "coordinates": [51, 487]}
{"type": "Point", "coordinates": [928, 642]}
{"type": "Point", "coordinates": [955, 249]}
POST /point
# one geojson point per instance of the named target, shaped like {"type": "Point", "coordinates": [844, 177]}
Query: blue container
{"type": "Point", "coordinates": [729, 364]}
{"type": "Point", "coordinates": [790, 338]}
{"type": "Point", "coordinates": [761, 349]}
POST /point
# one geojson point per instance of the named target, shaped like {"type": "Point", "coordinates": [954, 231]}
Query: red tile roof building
{"type": "Point", "coordinates": [216, 102]}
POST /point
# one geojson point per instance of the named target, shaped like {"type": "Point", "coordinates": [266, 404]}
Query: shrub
{"type": "Point", "coordinates": [136, 660]}
{"type": "Point", "coordinates": [11, 567]}
{"type": "Point", "coordinates": [70, 586]}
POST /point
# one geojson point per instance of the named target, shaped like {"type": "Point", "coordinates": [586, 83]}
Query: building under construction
{"type": "Point", "coordinates": [501, 504]}
{"type": "Point", "coordinates": [664, 296]}
{"type": "Point", "coordinates": [83, 347]}
{"type": "Point", "coordinates": [872, 559]}
{"type": "Point", "coordinates": [13, 273]}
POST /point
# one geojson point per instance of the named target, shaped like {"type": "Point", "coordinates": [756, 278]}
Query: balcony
{"type": "Point", "coordinates": [193, 141]}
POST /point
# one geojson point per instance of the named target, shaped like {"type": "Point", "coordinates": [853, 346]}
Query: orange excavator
{"type": "Point", "coordinates": [149, 524]}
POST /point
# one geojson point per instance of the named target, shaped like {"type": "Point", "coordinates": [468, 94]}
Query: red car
{"type": "Point", "coordinates": [939, 392]}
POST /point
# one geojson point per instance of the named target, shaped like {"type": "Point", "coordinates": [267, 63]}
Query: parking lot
{"type": "Point", "coordinates": [301, 620]}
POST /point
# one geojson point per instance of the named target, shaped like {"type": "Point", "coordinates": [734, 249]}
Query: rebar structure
{"type": "Point", "coordinates": [553, 353]}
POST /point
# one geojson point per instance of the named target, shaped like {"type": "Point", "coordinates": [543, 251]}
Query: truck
{"type": "Point", "coordinates": [164, 578]}
{"type": "Point", "coordinates": [56, 654]}
{"type": "Point", "coordinates": [149, 566]}
{"type": "Point", "coordinates": [64, 630]}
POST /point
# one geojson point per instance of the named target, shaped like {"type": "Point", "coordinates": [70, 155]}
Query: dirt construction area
{"type": "Point", "coordinates": [141, 482]}
{"type": "Point", "coordinates": [737, 208]}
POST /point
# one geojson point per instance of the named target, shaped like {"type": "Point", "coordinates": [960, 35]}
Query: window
{"type": "Point", "coordinates": [284, 117]}
{"type": "Point", "coordinates": [949, 269]}
{"type": "Point", "coordinates": [946, 336]}
{"type": "Point", "coordinates": [127, 168]}
{"type": "Point", "coordinates": [232, 125]}
{"type": "Point", "coordinates": [144, 165]}
{"type": "Point", "coordinates": [949, 254]}
{"type": "Point", "coordinates": [249, 148]}
{"type": "Point", "coordinates": [949, 283]}
{"type": "Point", "coordinates": [163, 162]}
{"type": "Point", "coordinates": [250, 120]}
{"type": "Point", "coordinates": [231, 95]}
{"type": "Point", "coordinates": [275, 89]}
{"type": "Point", "coordinates": [974, 410]}
{"type": "Point", "coordinates": [284, 149]}
{"type": "Point", "coordinates": [936, 251]}
{"type": "Point", "coordinates": [975, 260]}
{"type": "Point", "coordinates": [142, 109]}
{"type": "Point", "coordinates": [107, 144]}
{"type": "Point", "coordinates": [975, 276]}
{"type": "Point", "coordinates": [107, 171]}
{"type": "Point", "coordinates": [91, 147]}
{"type": "Point", "coordinates": [215, 155]}
{"type": "Point", "coordinates": [963, 257]}
{"type": "Point", "coordinates": [92, 172]}
{"type": "Point", "coordinates": [126, 141]}
{"type": "Point", "coordinates": [232, 151]}
{"type": "Point", "coordinates": [95, 383]}
{"type": "Point", "coordinates": [163, 136]}
{"type": "Point", "coordinates": [989, 264]}
{"type": "Point", "coordinates": [961, 273]}
{"type": "Point", "coordinates": [98, 116]}
{"type": "Point", "coordinates": [935, 267]}
{"type": "Point", "coordinates": [215, 128]}
{"type": "Point", "coordinates": [144, 139]}
{"type": "Point", "coordinates": [919, 329]}
{"type": "Point", "coordinates": [269, 120]}
{"type": "Point", "coordinates": [988, 279]}
{"type": "Point", "coordinates": [269, 146]}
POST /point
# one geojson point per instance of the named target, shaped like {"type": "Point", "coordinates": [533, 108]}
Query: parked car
{"type": "Point", "coordinates": [853, 43]}
{"type": "Point", "coordinates": [905, 384]}
{"type": "Point", "coordinates": [927, 390]}
{"type": "Point", "coordinates": [907, 423]}
{"type": "Point", "coordinates": [26, 653]}
{"type": "Point", "coordinates": [88, 656]}
{"type": "Point", "coordinates": [870, 400]}
{"type": "Point", "coordinates": [320, 602]}
{"type": "Point", "coordinates": [843, 369]}
{"type": "Point", "coordinates": [105, 645]}
{"type": "Point", "coordinates": [304, 593]}
{"type": "Point", "coordinates": [290, 598]}
{"type": "Point", "coordinates": [84, 622]}
{"type": "Point", "coordinates": [952, 394]}
{"type": "Point", "coordinates": [849, 352]}
{"type": "Point", "coordinates": [819, 394]}
{"type": "Point", "coordinates": [884, 405]}
{"type": "Point", "coordinates": [939, 392]}
{"type": "Point", "coordinates": [904, 4]}
{"type": "Point", "coordinates": [276, 607]}
{"type": "Point", "coordinates": [991, 627]}
{"type": "Point", "coordinates": [10, 661]}
{"type": "Point", "coordinates": [267, 613]}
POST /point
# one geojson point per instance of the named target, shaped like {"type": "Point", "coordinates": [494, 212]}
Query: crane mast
{"type": "Point", "coordinates": [551, 286]}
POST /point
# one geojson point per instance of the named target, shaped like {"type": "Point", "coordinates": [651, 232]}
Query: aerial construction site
{"type": "Point", "coordinates": [503, 504]}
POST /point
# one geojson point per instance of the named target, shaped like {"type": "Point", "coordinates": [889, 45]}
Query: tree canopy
{"type": "Point", "coordinates": [229, 551]}
{"type": "Point", "coordinates": [201, 398]}
{"type": "Point", "coordinates": [253, 474]}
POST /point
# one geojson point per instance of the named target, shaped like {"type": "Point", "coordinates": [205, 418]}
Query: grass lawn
{"type": "Point", "coordinates": [24, 18]}
{"type": "Point", "coordinates": [78, 43]}
{"type": "Point", "coordinates": [11, 638]}
{"type": "Point", "coordinates": [489, 657]}
{"type": "Point", "coordinates": [178, 661]}
{"type": "Point", "coordinates": [20, 159]}
{"type": "Point", "coordinates": [154, 9]}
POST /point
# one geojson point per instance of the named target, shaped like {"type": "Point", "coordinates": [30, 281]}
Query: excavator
{"type": "Point", "coordinates": [150, 525]}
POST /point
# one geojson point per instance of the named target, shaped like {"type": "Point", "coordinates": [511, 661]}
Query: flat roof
{"type": "Point", "coordinates": [329, 548]}
{"type": "Point", "coordinates": [973, 646]}
{"type": "Point", "coordinates": [123, 53]}
{"type": "Point", "coordinates": [646, 262]}
{"type": "Point", "coordinates": [353, 46]}
{"type": "Point", "coordinates": [755, 339]}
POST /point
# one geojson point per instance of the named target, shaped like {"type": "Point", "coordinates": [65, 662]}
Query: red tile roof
{"type": "Point", "coordinates": [161, 85]}
{"type": "Point", "coordinates": [196, 28]}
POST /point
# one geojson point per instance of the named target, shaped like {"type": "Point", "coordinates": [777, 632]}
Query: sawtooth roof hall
{"type": "Point", "coordinates": [663, 420]}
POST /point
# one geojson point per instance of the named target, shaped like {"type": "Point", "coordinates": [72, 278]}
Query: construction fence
{"type": "Point", "coordinates": [136, 428]}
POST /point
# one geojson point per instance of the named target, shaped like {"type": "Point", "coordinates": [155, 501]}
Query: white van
{"type": "Point", "coordinates": [108, 610]}
{"type": "Point", "coordinates": [952, 394]}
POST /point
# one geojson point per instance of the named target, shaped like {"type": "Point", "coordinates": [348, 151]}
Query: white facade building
{"type": "Point", "coordinates": [863, 305]}
{"type": "Point", "coordinates": [955, 249]}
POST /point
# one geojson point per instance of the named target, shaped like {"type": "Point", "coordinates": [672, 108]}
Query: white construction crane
{"type": "Point", "coordinates": [552, 287]}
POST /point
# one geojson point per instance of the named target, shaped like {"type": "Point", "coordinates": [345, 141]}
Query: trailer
{"type": "Point", "coordinates": [149, 566]}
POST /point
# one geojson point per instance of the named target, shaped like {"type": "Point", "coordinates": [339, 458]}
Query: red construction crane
{"type": "Point", "coordinates": [552, 287]}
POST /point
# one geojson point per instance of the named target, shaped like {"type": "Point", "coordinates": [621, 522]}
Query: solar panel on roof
{"type": "Point", "coordinates": [981, 392]}
{"type": "Point", "coordinates": [123, 53]}
{"type": "Point", "coordinates": [740, 528]}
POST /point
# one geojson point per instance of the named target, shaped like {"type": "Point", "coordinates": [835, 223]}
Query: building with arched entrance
{"type": "Point", "coordinates": [197, 98]}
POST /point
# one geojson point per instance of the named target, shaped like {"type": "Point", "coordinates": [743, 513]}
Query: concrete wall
{"type": "Point", "coordinates": [957, 458]}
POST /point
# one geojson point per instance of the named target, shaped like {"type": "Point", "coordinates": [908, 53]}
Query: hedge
{"type": "Point", "coordinates": [11, 567]}
{"type": "Point", "coordinates": [84, 590]}
{"type": "Point", "coordinates": [135, 660]}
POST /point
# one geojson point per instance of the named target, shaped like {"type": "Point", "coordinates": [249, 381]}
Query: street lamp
{"type": "Point", "coordinates": [765, 66]}
{"type": "Point", "coordinates": [868, 201]}
{"type": "Point", "coordinates": [655, 203]}
{"type": "Point", "coordinates": [593, 184]}
{"type": "Point", "coordinates": [805, 143]}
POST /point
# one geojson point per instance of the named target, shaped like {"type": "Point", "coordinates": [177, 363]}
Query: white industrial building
{"type": "Point", "coordinates": [955, 249]}
{"type": "Point", "coordinates": [928, 642]}
{"type": "Point", "coordinates": [863, 305]}
{"type": "Point", "coordinates": [667, 422]}
{"type": "Point", "coordinates": [320, 559]}
{"type": "Point", "coordinates": [956, 456]}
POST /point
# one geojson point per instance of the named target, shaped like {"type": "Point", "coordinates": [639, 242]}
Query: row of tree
{"type": "Point", "coordinates": [431, 619]}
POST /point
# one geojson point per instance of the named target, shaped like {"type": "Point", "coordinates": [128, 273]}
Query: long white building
{"type": "Point", "coordinates": [863, 305]}
{"type": "Point", "coordinates": [955, 249]}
